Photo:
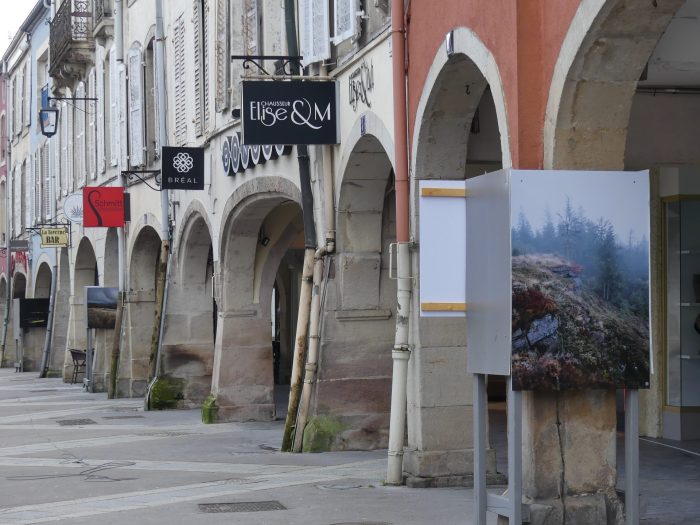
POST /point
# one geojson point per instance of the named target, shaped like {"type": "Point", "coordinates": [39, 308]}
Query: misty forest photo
{"type": "Point", "coordinates": [580, 296]}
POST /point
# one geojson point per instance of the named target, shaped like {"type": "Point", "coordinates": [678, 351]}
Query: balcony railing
{"type": "Point", "coordinates": [103, 10]}
{"type": "Point", "coordinates": [72, 26]}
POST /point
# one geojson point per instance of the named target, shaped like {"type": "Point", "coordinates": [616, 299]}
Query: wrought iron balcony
{"type": "Point", "coordinates": [104, 11]}
{"type": "Point", "coordinates": [71, 42]}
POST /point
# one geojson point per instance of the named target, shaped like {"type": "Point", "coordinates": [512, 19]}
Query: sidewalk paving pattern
{"type": "Point", "coordinates": [67, 456]}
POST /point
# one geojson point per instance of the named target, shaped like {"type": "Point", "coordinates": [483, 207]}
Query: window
{"type": "Point", "coordinates": [79, 123]}
{"type": "Point", "coordinates": [114, 134]}
{"type": "Point", "coordinates": [201, 66]}
{"type": "Point", "coordinates": [100, 160]}
{"type": "Point", "coordinates": [90, 150]}
{"type": "Point", "coordinates": [223, 54]}
{"type": "Point", "coordinates": [151, 106]}
{"type": "Point", "coordinates": [27, 93]}
{"type": "Point", "coordinates": [315, 32]}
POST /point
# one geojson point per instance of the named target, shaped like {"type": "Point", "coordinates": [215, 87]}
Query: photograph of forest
{"type": "Point", "coordinates": [580, 296]}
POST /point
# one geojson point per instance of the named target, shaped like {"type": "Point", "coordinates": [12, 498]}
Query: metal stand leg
{"type": "Point", "coordinates": [515, 454]}
{"type": "Point", "coordinates": [480, 414]}
{"type": "Point", "coordinates": [632, 457]}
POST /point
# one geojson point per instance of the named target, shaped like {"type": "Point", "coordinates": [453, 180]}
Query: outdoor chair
{"type": "Point", "coordinates": [78, 357]}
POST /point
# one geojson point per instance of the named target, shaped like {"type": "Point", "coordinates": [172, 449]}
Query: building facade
{"type": "Point", "coordinates": [576, 84]}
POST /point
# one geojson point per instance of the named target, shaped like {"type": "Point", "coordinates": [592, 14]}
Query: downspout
{"type": "Point", "coordinates": [121, 242]}
{"type": "Point", "coordinates": [401, 352]}
{"type": "Point", "coordinates": [311, 369]}
{"type": "Point", "coordinates": [163, 264]}
{"type": "Point", "coordinates": [307, 206]}
{"type": "Point", "coordinates": [8, 220]}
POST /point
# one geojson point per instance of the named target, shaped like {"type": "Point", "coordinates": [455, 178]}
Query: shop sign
{"type": "Point", "coordinates": [237, 157]}
{"type": "Point", "coordinates": [103, 207]}
{"type": "Point", "coordinates": [19, 245]}
{"type": "Point", "coordinates": [289, 112]}
{"type": "Point", "coordinates": [361, 84]}
{"type": "Point", "coordinates": [183, 168]}
{"type": "Point", "coordinates": [54, 237]}
{"type": "Point", "coordinates": [73, 207]}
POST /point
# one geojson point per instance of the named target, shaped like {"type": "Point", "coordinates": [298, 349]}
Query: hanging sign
{"type": "Point", "coordinates": [289, 112]}
{"type": "Point", "coordinates": [183, 168]}
{"type": "Point", "coordinates": [54, 237]}
{"type": "Point", "coordinates": [73, 207]}
{"type": "Point", "coordinates": [103, 207]}
{"type": "Point", "coordinates": [236, 158]}
{"type": "Point", "coordinates": [19, 245]}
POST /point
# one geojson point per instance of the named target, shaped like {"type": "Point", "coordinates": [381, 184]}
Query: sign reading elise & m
{"type": "Point", "coordinates": [289, 112]}
{"type": "Point", "coordinates": [103, 207]}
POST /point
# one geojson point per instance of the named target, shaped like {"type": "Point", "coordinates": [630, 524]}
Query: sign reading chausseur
{"type": "Point", "coordinates": [103, 207]}
{"type": "Point", "coordinates": [289, 112]}
{"type": "Point", "coordinates": [183, 168]}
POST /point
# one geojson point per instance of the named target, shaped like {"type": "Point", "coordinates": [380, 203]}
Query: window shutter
{"type": "Point", "coordinates": [79, 143]}
{"type": "Point", "coordinates": [114, 147]}
{"type": "Point", "coordinates": [205, 63]}
{"type": "Point", "coordinates": [180, 82]}
{"type": "Point", "coordinates": [156, 106]}
{"type": "Point", "coordinates": [27, 92]}
{"type": "Point", "coordinates": [27, 193]}
{"type": "Point", "coordinates": [100, 111]}
{"type": "Point", "coordinates": [18, 103]}
{"type": "Point", "coordinates": [17, 189]}
{"type": "Point", "coordinates": [46, 179]}
{"type": "Point", "coordinates": [37, 187]}
{"type": "Point", "coordinates": [198, 80]}
{"type": "Point", "coordinates": [315, 42]}
{"type": "Point", "coordinates": [345, 20]}
{"type": "Point", "coordinates": [136, 128]}
{"type": "Point", "coordinates": [123, 135]}
{"type": "Point", "coordinates": [64, 148]}
{"type": "Point", "coordinates": [90, 150]}
{"type": "Point", "coordinates": [11, 108]}
{"type": "Point", "coordinates": [222, 55]}
{"type": "Point", "coordinates": [70, 165]}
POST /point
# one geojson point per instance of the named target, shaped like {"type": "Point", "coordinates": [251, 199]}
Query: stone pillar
{"type": "Point", "coordinates": [242, 381]}
{"type": "Point", "coordinates": [569, 457]}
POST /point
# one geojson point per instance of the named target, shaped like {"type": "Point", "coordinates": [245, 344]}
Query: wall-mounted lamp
{"type": "Point", "coordinates": [48, 119]}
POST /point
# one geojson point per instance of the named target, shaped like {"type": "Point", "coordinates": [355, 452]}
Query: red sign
{"type": "Point", "coordinates": [103, 207]}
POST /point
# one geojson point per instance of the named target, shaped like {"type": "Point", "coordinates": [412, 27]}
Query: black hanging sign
{"type": "Point", "coordinates": [183, 168]}
{"type": "Point", "coordinates": [289, 112]}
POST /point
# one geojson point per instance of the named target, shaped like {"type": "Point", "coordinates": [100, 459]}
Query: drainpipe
{"type": "Point", "coordinates": [163, 264]}
{"type": "Point", "coordinates": [307, 206]}
{"type": "Point", "coordinates": [8, 220]}
{"type": "Point", "coordinates": [401, 352]}
{"type": "Point", "coordinates": [121, 242]}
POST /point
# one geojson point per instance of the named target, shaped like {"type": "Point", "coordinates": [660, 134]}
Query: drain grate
{"type": "Point", "coordinates": [243, 506]}
{"type": "Point", "coordinates": [75, 422]}
{"type": "Point", "coordinates": [122, 417]}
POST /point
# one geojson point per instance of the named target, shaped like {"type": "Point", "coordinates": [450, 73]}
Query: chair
{"type": "Point", "coordinates": [78, 357]}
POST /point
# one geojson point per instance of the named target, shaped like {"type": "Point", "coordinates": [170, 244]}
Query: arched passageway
{"type": "Point", "coordinates": [3, 307]}
{"type": "Point", "coordinates": [461, 131]}
{"type": "Point", "coordinates": [135, 365]}
{"type": "Point", "coordinates": [84, 274]}
{"type": "Point", "coordinates": [19, 288]}
{"type": "Point", "coordinates": [262, 243]}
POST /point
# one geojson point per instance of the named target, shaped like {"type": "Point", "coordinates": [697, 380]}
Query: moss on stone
{"type": "Point", "coordinates": [166, 393]}
{"type": "Point", "coordinates": [321, 432]}
{"type": "Point", "coordinates": [209, 410]}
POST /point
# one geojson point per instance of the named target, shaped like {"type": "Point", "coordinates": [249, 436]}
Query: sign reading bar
{"type": "Point", "coordinates": [54, 237]}
{"type": "Point", "coordinates": [103, 207]}
{"type": "Point", "coordinates": [183, 168]}
{"type": "Point", "coordinates": [289, 112]}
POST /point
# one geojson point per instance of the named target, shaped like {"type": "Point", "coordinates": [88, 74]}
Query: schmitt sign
{"type": "Point", "coordinates": [103, 206]}
{"type": "Point", "coordinates": [289, 112]}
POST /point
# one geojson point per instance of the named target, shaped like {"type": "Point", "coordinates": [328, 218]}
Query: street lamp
{"type": "Point", "coordinates": [48, 118]}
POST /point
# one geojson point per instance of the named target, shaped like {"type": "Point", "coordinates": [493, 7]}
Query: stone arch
{"type": "Point", "coordinates": [188, 341]}
{"type": "Point", "coordinates": [84, 274]}
{"type": "Point", "coordinates": [145, 252]}
{"type": "Point", "coordinates": [258, 230]}
{"type": "Point", "coordinates": [42, 282]}
{"type": "Point", "coordinates": [446, 136]}
{"type": "Point", "coordinates": [595, 77]}
{"type": "Point", "coordinates": [445, 112]}
{"type": "Point", "coordinates": [19, 285]}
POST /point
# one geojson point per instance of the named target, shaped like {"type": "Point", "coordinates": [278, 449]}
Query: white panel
{"type": "Point", "coordinates": [345, 20]}
{"type": "Point", "coordinates": [488, 274]}
{"type": "Point", "coordinates": [442, 248]}
{"type": "Point", "coordinates": [136, 109]}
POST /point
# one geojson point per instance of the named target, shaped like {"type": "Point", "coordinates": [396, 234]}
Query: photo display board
{"type": "Point", "coordinates": [101, 306]}
{"type": "Point", "coordinates": [557, 278]}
